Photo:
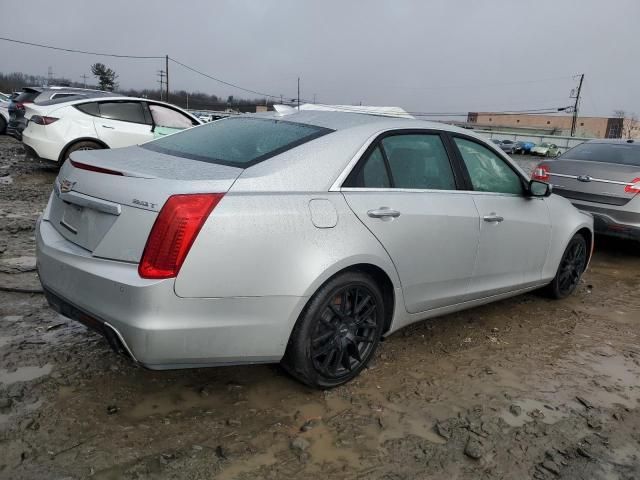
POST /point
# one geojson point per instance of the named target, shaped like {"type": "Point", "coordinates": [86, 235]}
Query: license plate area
{"type": "Point", "coordinates": [72, 217]}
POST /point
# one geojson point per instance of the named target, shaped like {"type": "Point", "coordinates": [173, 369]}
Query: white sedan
{"type": "Point", "coordinates": [56, 129]}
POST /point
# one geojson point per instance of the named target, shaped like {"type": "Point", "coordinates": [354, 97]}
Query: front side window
{"type": "Point", "coordinates": [169, 118]}
{"type": "Point", "coordinates": [124, 111]}
{"type": "Point", "coordinates": [488, 172]}
{"type": "Point", "coordinates": [238, 142]}
{"type": "Point", "coordinates": [413, 161]}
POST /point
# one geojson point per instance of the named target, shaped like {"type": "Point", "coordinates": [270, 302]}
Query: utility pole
{"type": "Point", "coordinates": [575, 107]}
{"type": "Point", "coordinates": [49, 76]}
{"type": "Point", "coordinates": [161, 74]}
{"type": "Point", "coordinates": [84, 76]}
{"type": "Point", "coordinates": [166, 69]}
{"type": "Point", "coordinates": [298, 93]}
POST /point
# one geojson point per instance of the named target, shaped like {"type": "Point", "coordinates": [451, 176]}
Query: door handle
{"type": "Point", "coordinates": [107, 126]}
{"type": "Point", "coordinates": [493, 218]}
{"type": "Point", "coordinates": [383, 212]}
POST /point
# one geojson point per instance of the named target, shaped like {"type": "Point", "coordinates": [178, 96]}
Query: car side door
{"type": "Point", "coordinates": [167, 120]}
{"type": "Point", "coordinates": [405, 191]}
{"type": "Point", "coordinates": [123, 123]}
{"type": "Point", "coordinates": [515, 228]}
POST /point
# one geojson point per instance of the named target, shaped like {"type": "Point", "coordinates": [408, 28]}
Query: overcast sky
{"type": "Point", "coordinates": [428, 56]}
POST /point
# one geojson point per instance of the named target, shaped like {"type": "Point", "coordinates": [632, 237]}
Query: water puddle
{"type": "Point", "coordinates": [323, 448]}
{"type": "Point", "coordinates": [175, 400]}
{"type": "Point", "coordinates": [531, 410]}
{"type": "Point", "coordinates": [249, 464]}
{"type": "Point", "coordinates": [24, 374]}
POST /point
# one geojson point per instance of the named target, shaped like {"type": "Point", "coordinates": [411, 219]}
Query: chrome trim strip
{"type": "Point", "coordinates": [124, 344]}
{"type": "Point", "coordinates": [83, 200]}
{"type": "Point", "coordinates": [429, 190]}
{"type": "Point", "coordinates": [601, 180]}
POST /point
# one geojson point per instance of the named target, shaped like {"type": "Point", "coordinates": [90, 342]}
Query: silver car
{"type": "Point", "coordinates": [301, 238]}
{"type": "Point", "coordinates": [601, 177]}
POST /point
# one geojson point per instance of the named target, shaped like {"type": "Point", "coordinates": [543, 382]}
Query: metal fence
{"type": "Point", "coordinates": [564, 143]}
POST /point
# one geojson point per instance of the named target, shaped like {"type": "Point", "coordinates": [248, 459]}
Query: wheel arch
{"type": "Point", "coordinates": [387, 280]}
{"type": "Point", "coordinates": [70, 144]}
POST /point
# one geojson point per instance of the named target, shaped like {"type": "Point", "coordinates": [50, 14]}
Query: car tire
{"type": "Point", "coordinates": [572, 266]}
{"type": "Point", "coordinates": [3, 126]}
{"type": "Point", "coordinates": [338, 331]}
{"type": "Point", "coordinates": [84, 145]}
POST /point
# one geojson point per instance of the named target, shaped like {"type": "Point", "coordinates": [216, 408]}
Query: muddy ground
{"type": "Point", "coordinates": [523, 388]}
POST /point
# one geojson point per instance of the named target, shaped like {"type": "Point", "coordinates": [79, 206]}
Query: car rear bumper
{"type": "Point", "coordinates": [147, 320]}
{"type": "Point", "coordinates": [42, 146]}
{"type": "Point", "coordinates": [618, 222]}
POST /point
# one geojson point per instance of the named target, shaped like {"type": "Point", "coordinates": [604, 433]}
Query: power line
{"type": "Point", "coordinates": [71, 50]}
{"type": "Point", "coordinates": [255, 92]}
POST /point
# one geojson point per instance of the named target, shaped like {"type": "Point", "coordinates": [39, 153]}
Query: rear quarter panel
{"type": "Point", "coordinates": [267, 244]}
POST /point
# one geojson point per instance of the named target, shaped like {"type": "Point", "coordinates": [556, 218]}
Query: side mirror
{"type": "Point", "coordinates": [539, 189]}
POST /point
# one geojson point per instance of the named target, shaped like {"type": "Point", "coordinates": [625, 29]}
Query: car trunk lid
{"type": "Point", "coordinates": [591, 181]}
{"type": "Point", "coordinates": [106, 201]}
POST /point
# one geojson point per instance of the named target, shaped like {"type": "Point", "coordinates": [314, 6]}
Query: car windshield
{"type": "Point", "coordinates": [237, 142]}
{"type": "Point", "coordinates": [619, 153]}
{"type": "Point", "coordinates": [545, 145]}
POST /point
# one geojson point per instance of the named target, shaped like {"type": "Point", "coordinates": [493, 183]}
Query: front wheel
{"type": "Point", "coordinates": [570, 270]}
{"type": "Point", "coordinates": [337, 332]}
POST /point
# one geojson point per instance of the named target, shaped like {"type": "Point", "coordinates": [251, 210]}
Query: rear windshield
{"type": "Point", "coordinates": [620, 153]}
{"type": "Point", "coordinates": [238, 142]}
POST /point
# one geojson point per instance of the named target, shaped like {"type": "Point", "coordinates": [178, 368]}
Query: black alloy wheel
{"type": "Point", "coordinates": [345, 331]}
{"type": "Point", "coordinates": [338, 331]}
{"type": "Point", "coordinates": [571, 268]}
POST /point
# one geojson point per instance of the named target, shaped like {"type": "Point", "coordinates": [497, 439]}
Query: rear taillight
{"type": "Point", "coordinates": [633, 186]}
{"type": "Point", "coordinates": [43, 120]}
{"type": "Point", "coordinates": [93, 168]}
{"type": "Point", "coordinates": [541, 172]}
{"type": "Point", "coordinates": [173, 233]}
{"type": "Point", "coordinates": [20, 105]}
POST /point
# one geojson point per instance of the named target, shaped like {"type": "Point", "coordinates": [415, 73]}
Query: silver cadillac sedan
{"type": "Point", "coordinates": [300, 238]}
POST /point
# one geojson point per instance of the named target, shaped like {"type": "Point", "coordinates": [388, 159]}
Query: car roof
{"type": "Point", "coordinates": [365, 121]}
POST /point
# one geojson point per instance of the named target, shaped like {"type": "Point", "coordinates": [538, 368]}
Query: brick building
{"type": "Point", "coordinates": [589, 127]}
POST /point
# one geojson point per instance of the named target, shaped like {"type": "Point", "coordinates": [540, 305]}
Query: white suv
{"type": "Point", "coordinates": [56, 129]}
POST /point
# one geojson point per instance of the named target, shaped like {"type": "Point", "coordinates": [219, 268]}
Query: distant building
{"type": "Point", "coordinates": [590, 127]}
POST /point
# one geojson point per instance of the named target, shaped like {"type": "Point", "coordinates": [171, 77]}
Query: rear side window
{"type": "Point", "coordinates": [89, 108]}
{"type": "Point", "coordinates": [124, 111]}
{"type": "Point", "coordinates": [373, 173]}
{"type": "Point", "coordinates": [415, 161]}
{"type": "Point", "coordinates": [622, 154]}
{"type": "Point", "coordinates": [238, 142]}
{"type": "Point", "coordinates": [419, 161]}
{"type": "Point", "coordinates": [65, 95]}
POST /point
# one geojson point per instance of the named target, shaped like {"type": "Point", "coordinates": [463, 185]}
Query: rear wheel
{"type": "Point", "coordinates": [570, 270]}
{"type": "Point", "coordinates": [3, 126]}
{"type": "Point", "coordinates": [84, 145]}
{"type": "Point", "coordinates": [337, 332]}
